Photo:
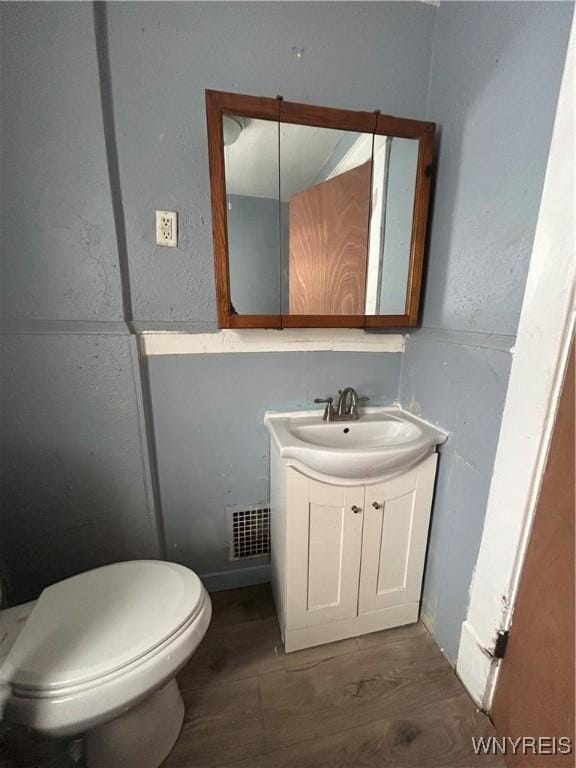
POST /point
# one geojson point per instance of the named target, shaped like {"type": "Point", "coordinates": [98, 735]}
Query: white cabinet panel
{"type": "Point", "coordinates": [346, 561]}
{"type": "Point", "coordinates": [334, 548]}
{"type": "Point", "coordinates": [394, 544]}
{"type": "Point", "coordinates": [330, 541]}
{"type": "Point", "coordinates": [395, 531]}
{"type": "Point", "coordinates": [325, 552]}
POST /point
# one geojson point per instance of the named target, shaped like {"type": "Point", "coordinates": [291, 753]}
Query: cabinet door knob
{"type": "Point", "coordinates": [376, 505]}
{"type": "Point", "coordinates": [356, 509]}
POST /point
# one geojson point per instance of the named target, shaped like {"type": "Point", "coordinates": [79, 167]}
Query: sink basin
{"type": "Point", "coordinates": [383, 443]}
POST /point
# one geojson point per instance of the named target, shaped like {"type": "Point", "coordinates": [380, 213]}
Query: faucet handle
{"type": "Point", "coordinates": [363, 399]}
{"type": "Point", "coordinates": [329, 410]}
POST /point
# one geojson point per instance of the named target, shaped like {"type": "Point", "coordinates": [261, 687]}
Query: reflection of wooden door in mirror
{"type": "Point", "coordinates": [328, 226]}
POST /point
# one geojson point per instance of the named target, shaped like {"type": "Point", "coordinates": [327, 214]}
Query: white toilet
{"type": "Point", "coordinates": [97, 654]}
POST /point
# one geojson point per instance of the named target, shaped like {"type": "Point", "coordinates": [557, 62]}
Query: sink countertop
{"type": "Point", "coordinates": [383, 443]}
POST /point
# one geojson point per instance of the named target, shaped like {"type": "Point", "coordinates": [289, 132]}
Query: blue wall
{"type": "Point", "coordinates": [494, 81]}
{"type": "Point", "coordinates": [76, 490]}
{"type": "Point", "coordinates": [169, 51]}
{"type": "Point", "coordinates": [75, 476]}
{"type": "Point", "coordinates": [59, 255]}
{"type": "Point", "coordinates": [257, 242]}
{"type": "Point", "coordinates": [212, 443]}
{"type": "Point", "coordinates": [88, 154]}
{"type": "Point", "coordinates": [163, 56]}
{"type": "Point", "coordinates": [78, 479]}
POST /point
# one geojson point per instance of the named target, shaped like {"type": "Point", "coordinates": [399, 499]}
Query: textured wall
{"type": "Point", "coordinates": [163, 56]}
{"type": "Point", "coordinates": [213, 447]}
{"type": "Point", "coordinates": [493, 84]}
{"type": "Point", "coordinates": [75, 478]}
{"type": "Point", "coordinates": [459, 383]}
{"type": "Point", "coordinates": [495, 75]}
{"type": "Point", "coordinates": [75, 491]}
{"type": "Point", "coordinates": [60, 259]}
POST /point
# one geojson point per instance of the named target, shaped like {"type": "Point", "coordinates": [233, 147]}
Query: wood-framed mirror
{"type": "Point", "coordinates": [319, 215]}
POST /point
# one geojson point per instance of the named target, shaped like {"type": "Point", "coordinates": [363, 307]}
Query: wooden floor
{"type": "Point", "coordinates": [388, 699]}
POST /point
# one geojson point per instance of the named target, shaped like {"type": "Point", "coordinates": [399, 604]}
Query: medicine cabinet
{"type": "Point", "coordinates": [319, 215]}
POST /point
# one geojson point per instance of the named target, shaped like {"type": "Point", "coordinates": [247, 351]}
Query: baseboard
{"type": "Point", "coordinates": [296, 639]}
{"type": "Point", "coordinates": [474, 664]}
{"type": "Point", "coordinates": [240, 577]}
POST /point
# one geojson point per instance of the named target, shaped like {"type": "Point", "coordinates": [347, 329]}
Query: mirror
{"type": "Point", "coordinates": [253, 215]}
{"type": "Point", "coordinates": [395, 164]}
{"type": "Point", "coordinates": [319, 215]}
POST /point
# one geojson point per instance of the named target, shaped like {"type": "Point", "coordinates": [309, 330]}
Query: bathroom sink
{"type": "Point", "coordinates": [383, 443]}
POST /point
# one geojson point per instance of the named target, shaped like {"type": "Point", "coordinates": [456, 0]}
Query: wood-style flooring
{"type": "Point", "coordinates": [386, 700]}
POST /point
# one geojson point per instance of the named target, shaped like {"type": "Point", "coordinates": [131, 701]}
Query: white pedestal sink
{"type": "Point", "coordinates": [383, 443]}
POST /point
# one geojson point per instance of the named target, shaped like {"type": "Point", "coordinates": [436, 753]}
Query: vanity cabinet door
{"type": "Point", "coordinates": [324, 542]}
{"type": "Point", "coordinates": [396, 520]}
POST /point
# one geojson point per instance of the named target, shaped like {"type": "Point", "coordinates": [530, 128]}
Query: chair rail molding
{"type": "Point", "coordinates": [261, 340]}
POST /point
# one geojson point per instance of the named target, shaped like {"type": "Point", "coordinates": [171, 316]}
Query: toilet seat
{"type": "Point", "coordinates": [99, 642]}
{"type": "Point", "coordinates": [86, 628]}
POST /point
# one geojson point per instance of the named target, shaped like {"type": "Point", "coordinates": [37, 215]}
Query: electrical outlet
{"type": "Point", "coordinates": [167, 228]}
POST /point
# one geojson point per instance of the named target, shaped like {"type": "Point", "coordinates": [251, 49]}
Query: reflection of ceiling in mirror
{"type": "Point", "coordinates": [252, 161]}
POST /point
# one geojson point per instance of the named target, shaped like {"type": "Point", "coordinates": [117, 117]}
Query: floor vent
{"type": "Point", "coordinates": [250, 533]}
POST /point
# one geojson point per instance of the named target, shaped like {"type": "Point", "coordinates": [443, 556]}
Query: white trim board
{"type": "Point", "coordinates": [538, 365]}
{"type": "Point", "coordinates": [258, 340]}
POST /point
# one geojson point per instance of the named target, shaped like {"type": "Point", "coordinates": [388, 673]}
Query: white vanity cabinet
{"type": "Point", "coordinates": [347, 560]}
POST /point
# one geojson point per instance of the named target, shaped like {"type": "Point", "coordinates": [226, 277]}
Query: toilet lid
{"type": "Point", "coordinates": [98, 622]}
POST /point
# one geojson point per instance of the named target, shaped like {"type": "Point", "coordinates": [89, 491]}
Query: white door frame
{"type": "Point", "coordinates": [538, 366]}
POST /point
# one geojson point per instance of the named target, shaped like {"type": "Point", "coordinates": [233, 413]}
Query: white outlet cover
{"type": "Point", "coordinates": [167, 228]}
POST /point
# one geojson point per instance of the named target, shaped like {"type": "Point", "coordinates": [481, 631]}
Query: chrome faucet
{"type": "Point", "coordinates": [347, 403]}
{"type": "Point", "coordinates": [346, 408]}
